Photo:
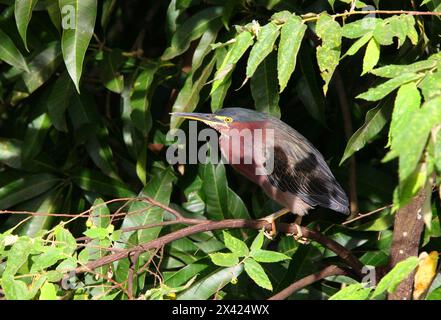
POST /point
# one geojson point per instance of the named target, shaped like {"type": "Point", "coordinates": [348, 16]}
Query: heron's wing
{"type": "Point", "coordinates": [300, 169]}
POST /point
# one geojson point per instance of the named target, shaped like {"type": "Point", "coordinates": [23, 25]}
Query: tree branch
{"type": "Point", "coordinates": [206, 225]}
{"type": "Point", "coordinates": [308, 280]}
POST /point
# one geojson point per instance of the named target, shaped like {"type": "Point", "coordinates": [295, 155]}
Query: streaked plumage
{"type": "Point", "coordinates": [300, 179]}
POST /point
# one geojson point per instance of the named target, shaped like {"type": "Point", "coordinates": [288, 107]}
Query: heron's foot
{"type": "Point", "coordinates": [299, 235]}
{"type": "Point", "coordinates": [271, 219]}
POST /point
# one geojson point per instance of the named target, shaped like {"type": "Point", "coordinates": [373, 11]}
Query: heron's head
{"type": "Point", "coordinates": [228, 118]}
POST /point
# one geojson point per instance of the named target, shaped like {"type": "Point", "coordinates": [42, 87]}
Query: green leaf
{"type": "Point", "coordinates": [395, 70]}
{"type": "Point", "coordinates": [15, 289]}
{"type": "Point", "coordinates": [291, 36]}
{"type": "Point", "coordinates": [224, 259]}
{"type": "Point", "coordinates": [268, 256]}
{"type": "Point", "coordinates": [192, 29]}
{"type": "Point", "coordinates": [258, 241]}
{"type": "Point", "coordinates": [359, 28]}
{"type": "Point", "coordinates": [355, 291]}
{"type": "Point", "coordinates": [410, 143]}
{"type": "Point", "coordinates": [23, 13]}
{"type": "Point", "coordinates": [188, 97]}
{"type": "Point", "coordinates": [376, 119]}
{"type": "Point", "coordinates": [47, 259]}
{"type": "Point", "coordinates": [431, 84]}
{"type": "Point", "coordinates": [394, 277]}
{"type": "Point", "coordinates": [235, 245]}
{"type": "Point", "coordinates": [109, 71]}
{"type": "Point", "coordinates": [97, 233]}
{"type": "Point", "coordinates": [78, 26]}
{"type": "Point", "coordinates": [382, 90]}
{"type": "Point", "coordinates": [371, 56]}
{"type": "Point", "coordinates": [41, 68]}
{"type": "Point", "coordinates": [264, 89]}
{"type": "Point", "coordinates": [140, 97]}
{"type": "Point", "coordinates": [222, 78]}
{"type": "Point", "coordinates": [204, 47]}
{"type": "Point", "coordinates": [58, 101]}
{"type": "Point", "coordinates": [211, 284]}
{"type": "Point", "coordinates": [10, 152]}
{"type": "Point", "coordinates": [407, 102]}
{"type": "Point", "coordinates": [10, 54]}
{"type": "Point", "coordinates": [48, 292]}
{"type": "Point", "coordinates": [17, 256]}
{"type": "Point", "coordinates": [266, 38]}
{"type": "Point", "coordinates": [35, 136]}
{"type": "Point", "coordinates": [358, 44]}
{"type": "Point", "coordinates": [65, 241]}
{"type": "Point", "coordinates": [26, 188]}
{"type": "Point", "coordinates": [328, 54]}
{"type": "Point", "coordinates": [256, 272]}
{"type": "Point", "coordinates": [94, 181]}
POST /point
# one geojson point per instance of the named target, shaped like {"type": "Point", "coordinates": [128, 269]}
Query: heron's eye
{"type": "Point", "coordinates": [228, 120]}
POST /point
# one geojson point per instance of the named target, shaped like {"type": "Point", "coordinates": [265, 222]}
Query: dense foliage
{"type": "Point", "coordinates": [86, 88]}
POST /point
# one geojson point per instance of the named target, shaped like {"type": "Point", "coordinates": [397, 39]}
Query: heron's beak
{"type": "Point", "coordinates": [207, 118]}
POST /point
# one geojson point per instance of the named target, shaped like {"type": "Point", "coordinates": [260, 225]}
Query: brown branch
{"type": "Point", "coordinates": [308, 280]}
{"type": "Point", "coordinates": [408, 226]}
{"type": "Point", "coordinates": [205, 226]}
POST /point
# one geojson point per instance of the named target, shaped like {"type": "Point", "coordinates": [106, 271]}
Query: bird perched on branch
{"type": "Point", "coordinates": [280, 160]}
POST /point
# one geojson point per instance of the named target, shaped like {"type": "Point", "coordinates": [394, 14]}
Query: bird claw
{"type": "Point", "coordinates": [271, 234]}
{"type": "Point", "coordinates": [298, 236]}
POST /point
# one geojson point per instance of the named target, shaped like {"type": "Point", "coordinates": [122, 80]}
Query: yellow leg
{"type": "Point", "coordinates": [299, 236]}
{"type": "Point", "coordinates": [271, 219]}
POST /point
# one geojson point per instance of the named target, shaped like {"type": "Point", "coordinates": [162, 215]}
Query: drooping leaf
{"type": "Point", "coordinates": [10, 54]}
{"type": "Point", "coordinates": [328, 54]}
{"type": "Point", "coordinates": [58, 101]}
{"type": "Point", "coordinates": [371, 56]}
{"type": "Point", "coordinates": [78, 25]}
{"type": "Point", "coordinates": [264, 45]}
{"type": "Point", "coordinates": [291, 36]}
{"type": "Point", "coordinates": [23, 13]}
{"type": "Point", "coordinates": [263, 88]}
{"type": "Point", "coordinates": [110, 73]}
{"type": "Point", "coordinates": [376, 119]}
{"type": "Point", "coordinates": [267, 256]}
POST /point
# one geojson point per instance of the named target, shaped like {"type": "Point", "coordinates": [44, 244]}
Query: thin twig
{"type": "Point", "coordinates": [314, 17]}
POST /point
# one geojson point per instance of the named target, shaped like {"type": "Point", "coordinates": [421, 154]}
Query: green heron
{"type": "Point", "coordinates": [299, 177]}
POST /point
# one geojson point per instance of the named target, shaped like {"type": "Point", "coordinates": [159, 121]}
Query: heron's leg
{"type": "Point", "coordinates": [299, 235]}
{"type": "Point", "coordinates": [271, 219]}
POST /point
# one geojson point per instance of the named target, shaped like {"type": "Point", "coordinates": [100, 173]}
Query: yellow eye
{"type": "Point", "coordinates": [228, 119]}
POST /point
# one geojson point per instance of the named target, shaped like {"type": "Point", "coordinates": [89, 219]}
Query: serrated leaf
{"type": "Point", "coordinates": [394, 277]}
{"type": "Point", "coordinates": [23, 13]}
{"type": "Point", "coordinates": [359, 28]}
{"type": "Point", "coordinates": [78, 25]}
{"type": "Point", "coordinates": [256, 272]}
{"type": "Point", "coordinates": [264, 45]}
{"type": "Point", "coordinates": [394, 70]}
{"type": "Point", "coordinates": [382, 90]}
{"type": "Point", "coordinates": [224, 259]}
{"type": "Point", "coordinates": [235, 245]}
{"type": "Point", "coordinates": [291, 36]}
{"type": "Point", "coordinates": [10, 54]}
{"type": "Point", "coordinates": [46, 259]}
{"type": "Point", "coordinates": [371, 56]}
{"type": "Point", "coordinates": [264, 89]}
{"type": "Point", "coordinates": [355, 291]}
{"type": "Point", "coordinates": [267, 256]}
{"type": "Point", "coordinates": [65, 241]}
{"type": "Point", "coordinates": [328, 54]}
